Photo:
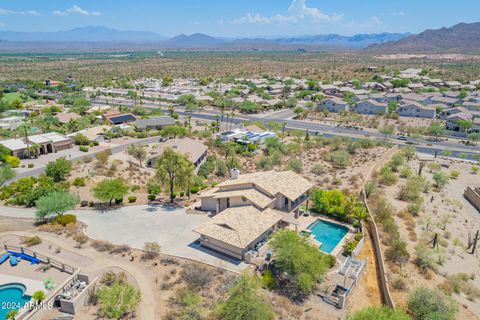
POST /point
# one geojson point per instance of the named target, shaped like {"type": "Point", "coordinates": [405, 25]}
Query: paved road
{"type": "Point", "coordinates": [135, 225]}
{"type": "Point", "coordinates": [430, 147]}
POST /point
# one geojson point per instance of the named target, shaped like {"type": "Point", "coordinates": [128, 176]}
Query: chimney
{"type": "Point", "coordinates": [234, 173]}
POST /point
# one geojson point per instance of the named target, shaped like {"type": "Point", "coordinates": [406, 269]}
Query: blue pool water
{"type": "Point", "coordinates": [328, 233]}
{"type": "Point", "coordinates": [12, 297]}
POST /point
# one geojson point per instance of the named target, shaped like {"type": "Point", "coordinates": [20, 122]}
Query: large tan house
{"type": "Point", "coordinates": [250, 207]}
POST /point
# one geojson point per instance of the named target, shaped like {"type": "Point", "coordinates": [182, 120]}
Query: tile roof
{"type": "Point", "coordinates": [239, 226]}
{"type": "Point", "coordinates": [287, 183]}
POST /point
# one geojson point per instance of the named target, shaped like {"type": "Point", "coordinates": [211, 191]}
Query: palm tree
{"type": "Point", "coordinates": [26, 126]}
{"type": "Point", "coordinates": [35, 150]}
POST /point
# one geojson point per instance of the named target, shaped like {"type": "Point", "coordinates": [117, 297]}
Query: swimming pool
{"type": "Point", "coordinates": [12, 297]}
{"type": "Point", "coordinates": [328, 233]}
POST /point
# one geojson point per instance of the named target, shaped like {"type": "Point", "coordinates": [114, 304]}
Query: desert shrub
{"type": "Point", "coordinates": [152, 197]}
{"type": "Point", "coordinates": [424, 258]}
{"type": "Point", "coordinates": [30, 165]}
{"type": "Point", "coordinates": [397, 251]}
{"type": "Point", "coordinates": [318, 169]}
{"type": "Point", "coordinates": [379, 313]}
{"type": "Point", "coordinates": [265, 163]}
{"type": "Point", "coordinates": [102, 156]}
{"type": "Point", "coordinates": [152, 250]}
{"type": "Point", "coordinates": [11, 161]}
{"type": "Point", "coordinates": [399, 283]}
{"type": "Point", "coordinates": [79, 182]}
{"type": "Point", "coordinates": [83, 203]}
{"type": "Point", "coordinates": [80, 239]}
{"type": "Point", "coordinates": [194, 190]}
{"type": "Point", "coordinates": [349, 247]}
{"type": "Point", "coordinates": [440, 179]}
{"type": "Point", "coordinates": [101, 245]}
{"type": "Point", "coordinates": [132, 199]}
{"type": "Point", "coordinates": [221, 169]}
{"type": "Point", "coordinates": [339, 158]}
{"type": "Point", "coordinates": [427, 304]}
{"type": "Point", "coordinates": [415, 207]}
{"type": "Point", "coordinates": [411, 190]}
{"type": "Point", "coordinates": [120, 249]}
{"type": "Point", "coordinates": [197, 276]}
{"type": "Point", "coordinates": [370, 188]}
{"type": "Point", "coordinates": [110, 277]}
{"type": "Point", "coordinates": [405, 172]}
{"type": "Point", "coordinates": [87, 159]}
{"type": "Point", "coordinates": [31, 241]}
{"type": "Point", "coordinates": [153, 187]}
{"type": "Point", "coordinates": [268, 280]}
{"type": "Point", "coordinates": [65, 219]}
{"type": "Point", "coordinates": [387, 176]}
{"type": "Point", "coordinates": [295, 165]}
{"type": "Point", "coordinates": [118, 300]}
{"type": "Point", "coordinates": [454, 174]}
{"type": "Point", "coordinates": [83, 148]}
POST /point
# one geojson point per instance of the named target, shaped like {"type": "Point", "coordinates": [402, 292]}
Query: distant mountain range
{"type": "Point", "coordinates": [463, 37]}
{"type": "Point", "coordinates": [104, 35]}
{"type": "Point", "coordinates": [85, 34]}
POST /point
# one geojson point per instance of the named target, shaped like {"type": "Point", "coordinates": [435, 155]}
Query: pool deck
{"type": "Point", "coordinates": [31, 285]}
{"type": "Point", "coordinates": [30, 275]}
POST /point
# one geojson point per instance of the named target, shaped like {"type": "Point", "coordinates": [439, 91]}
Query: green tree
{"type": "Point", "coordinates": [138, 152]}
{"type": "Point", "coordinates": [174, 131]}
{"type": "Point", "coordinates": [474, 137]}
{"type": "Point", "coordinates": [301, 264]}
{"type": "Point", "coordinates": [330, 202]}
{"type": "Point", "coordinates": [174, 171]}
{"type": "Point", "coordinates": [440, 179]}
{"type": "Point", "coordinates": [6, 173]}
{"type": "Point", "coordinates": [245, 302]}
{"type": "Point", "coordinates": [110, 189]}
{"type": "Point", "coordinates": [58, 169]}
{"type": "Point", "coordinates": [464, 125]}
{"type": "Point", "coordinates": [378, 313]}
{"type": "Point", "coordinates": [56, 202]}
{"type": "Point", "coordinates": [387, 130]}
{"type": "Point", "coordinates": [428, 304]}
{"type": "Point", "coordinates": [298, 112]}
{"type": "Point", "coordinates": [435, 129]}
{"type": "Point", "coordinates": [38, 296]}
{"type": "Point", "coordinates": [118, 300]}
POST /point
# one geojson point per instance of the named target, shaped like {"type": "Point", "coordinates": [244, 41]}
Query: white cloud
{"type": "Point", "coordinates": [6, 12]}
{"type": "Point", "coordinates": [75, 10]}
{"type": "Point", "coordinates": [400, 13]}
{"type": "Point", "coordinates": [33, 13]}
{"type": "Point", "coordinates": [297, 12]}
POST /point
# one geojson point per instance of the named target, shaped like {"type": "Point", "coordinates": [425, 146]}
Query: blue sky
{"type": "Point", "coordinates": [238, 17]}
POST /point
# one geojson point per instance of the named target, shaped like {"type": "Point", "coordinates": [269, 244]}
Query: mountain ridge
{"type": "Point", "coordinates": [462, 37]}
{"type": "Point", "coordinates": [101, 34]}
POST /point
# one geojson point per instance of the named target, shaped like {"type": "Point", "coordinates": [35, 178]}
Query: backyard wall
{"type": "Point", "coordinates": [373, 230]}
{"type": "Point", "coordinates": [473, 195]}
